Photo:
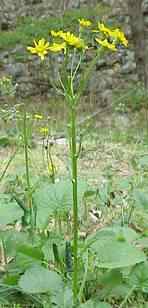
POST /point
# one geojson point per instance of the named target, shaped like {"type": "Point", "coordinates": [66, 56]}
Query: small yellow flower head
{"type": "Point", "coordinates": [38, 116]}
{"type": "Point", "coordinates": [44, 130]}
{"type": "Point", "coordinates": [85, 23]}
{"type": "Point", "coordinates": [55, 47]}
{"type": "Point", "coordinates": [115, 34]}
{"type": "Point", "coordinates": [41, 48]}
{"type": "Point", "coordinates": [104, 29]}
{"type": "Point", "coordinates": [106, 44]}
{"type": "Point", "coordinates": [73, 40]}
{"type": "Point", "coordinates": [119, 36]}
{"type": "Point", "coordinates": [56, 33]}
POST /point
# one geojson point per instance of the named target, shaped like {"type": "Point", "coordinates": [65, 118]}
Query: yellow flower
{"type": "Point", "coordinates": [120, 36]}
{"type": "Point", "coordinates": [85, 23]}
{"type": "Point", "coordinates": [44, 130]}
{"type": "Point", "coordinates": [55, 47]}
{"type": "Point", "coordinates": [73, 40]}
{"type": "Point", "coordinates": [38, 116]}
{"type": "Point", "coordinates": [41, 48]}
{"type": "Point", "coordinates": [56, 33]}
{"type": "Point", "coordinates": [106, 44]}
{"type": "Point", "coordinates": [70, 39]}
{"type": "Point", "coordinates": [104, 29]}
{"type": "Point", "coordinates": [116, 34]}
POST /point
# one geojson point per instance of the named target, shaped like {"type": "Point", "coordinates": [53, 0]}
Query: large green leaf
{"type": "Point", "coordinates": [112, 285]}
{"type": "Point", "coordinates": [116, 254]}
{"type": "Point", "coordinates": [114, 232]}
{"type": "Point", "coordinates": [63, 298]}
{"type": "Point", "coordinates": [141, 199]}
{"type": "Point", "coordinates": [139, 277]}
{"type": "Point", "coordinates": [27, 256]}
{"type": "Point", "coordinates": [94, 304]}
{"type": "Point", "coordinates": [38, 279]}
{"type": "Point", "coordinates": [9, 210]}
{"type": "Point", "coordinates": [52, 198]}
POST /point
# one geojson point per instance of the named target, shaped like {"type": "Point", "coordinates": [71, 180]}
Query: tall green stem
{"type": "Point", "coordinates": [75, 203]}
{"type": "Point", "coordinates": [29, 198]}
{"type": "Point", "coordinates": [26, 151]}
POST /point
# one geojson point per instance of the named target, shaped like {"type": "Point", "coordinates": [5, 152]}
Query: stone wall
{"type": "Point", "coordinates": [12, 10]}
{"type": "Point", "coordinates": [33, 79]}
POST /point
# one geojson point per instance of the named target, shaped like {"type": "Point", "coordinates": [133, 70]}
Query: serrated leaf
{"type": "Point", "coordinates": [141, 199]}
{"type": "Point", "coordinates": [53, 198]}
{"type": "Point", "coordinates": [94, 304]}
{"type": "Point", "coordinates": [112, 285]}
{"type": "Point", "coordinates": [63, 299]}
{"type": "Point", "coordinates": [115, 254]}
{"type": "Point", "coordinates": [40, 280]}
{"type": "Point", "coordinates": [139, 277]}
{"type": "Point", "coordinates": [9, 211]}
{"type": "Point", "coordinates": [142, 242]}
{"type": "Point", "coordinates": [114, 233]}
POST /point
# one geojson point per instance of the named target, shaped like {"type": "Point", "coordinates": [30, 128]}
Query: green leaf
{"type": "Point", "coordinates": [113, 285]}
{"type": "Point", "coordinates": [12, 239]}
{"type": "Point", "coordinates": [139, 277]}
{"type": "Point", "coordinates": [63, 299]}
{"type": "Point", "coordinates": [55, 198]}
{"type": "Point", "coordinates": [116, 254]}
{"type": "Point", "coordinates": [9, 210]}
{"type": "Point", "coordinates": [142, 242]}
{"type": "Point", "coordinates": [143, 161]}
{"type": "Point", "coordinates": [40, 280]}
{"type": "Point", "coordinates": [141, 199]}
{"type": "Point", "coordinates": [30, 251]}
{"type": "Point", "coordinates": [27, 256]}
{"type": "Point", "coordinates": [11, 279]}
{"type": "Point", "coordinates": [93, 304]}
{"type": "Point", "coordinates": [115, 233]}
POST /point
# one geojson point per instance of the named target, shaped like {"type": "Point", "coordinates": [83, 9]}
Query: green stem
{"type": "Point", "coordinates": [7, 165]}
{"type": "Point", "coordinates": [26, 151]}
{"type": "Point", "coordinates": [75, 204]}
{"type": "Point", "coordinates": [127, 297]}
{"type": "Point", "coordinates": [29, 198]}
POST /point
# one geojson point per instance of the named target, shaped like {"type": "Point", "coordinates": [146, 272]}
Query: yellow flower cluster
{"type": "Point", "coordinates": [70, 39]}
{"type": "Point", "coordinates": [55, 47]}
{"type": "Point", "coordinates": [41, 48]}
{"type": "Point", "coordinates": [111, 39]}
{"type": "Point", "coordinates": [85, 23]}
{"type": "Point", "coordinates": [115, 35]}
{"type": "Point", "coordinates": [106, 44]}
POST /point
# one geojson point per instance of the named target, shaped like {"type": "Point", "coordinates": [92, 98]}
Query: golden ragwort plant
{"type": "Point", "coordinates": [74, 47]}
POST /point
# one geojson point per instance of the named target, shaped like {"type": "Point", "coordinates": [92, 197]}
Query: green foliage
{"type": "Point", "coordinates": [29, 28]}
{"type": "Point", "coordinates": [107, 242]}
{"type": "Point", "coordinates": [40, 280]}
{"type": "Point", "coordinates": [55, 198]}
{"type": "Point", "coordinates": [9, 210]}
{"type": "Point", "coordinates": [50, 257]}
{"type": "Point", "coordinates": [93, 304]}
{"type": "Point", "coordinates": [139, 277]}
{"type": "Point", "coordinates": [134, 98]}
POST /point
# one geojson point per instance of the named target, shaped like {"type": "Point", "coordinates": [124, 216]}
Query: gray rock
{"type": "Point", "coordinates": [15, 69]}
{"type": "Point", "coordinates": [128, 67]}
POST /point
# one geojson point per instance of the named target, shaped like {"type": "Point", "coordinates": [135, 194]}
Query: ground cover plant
{"type": "Point", "coordinates": [52, 255]}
